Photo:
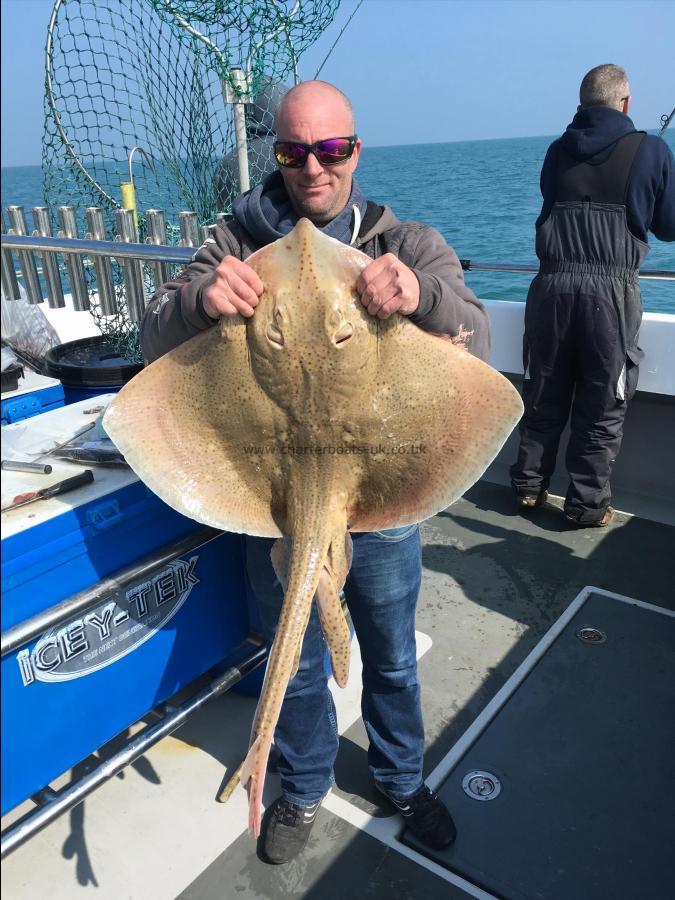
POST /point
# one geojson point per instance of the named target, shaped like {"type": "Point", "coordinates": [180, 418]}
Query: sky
{"type": "Point", "coordinates": [421, 71]}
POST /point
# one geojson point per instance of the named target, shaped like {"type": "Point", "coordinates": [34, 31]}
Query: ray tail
{"type": "Point", "coordinates": [313, 520]}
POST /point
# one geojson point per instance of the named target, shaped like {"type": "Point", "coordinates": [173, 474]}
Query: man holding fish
{"type": "Point", "coordinates": [413, 273]}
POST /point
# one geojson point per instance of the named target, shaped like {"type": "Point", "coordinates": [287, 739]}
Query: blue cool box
{"type": "Point", "coordinates": [34, 395]}
{"type": "Point", "coordinates": [82, 683]}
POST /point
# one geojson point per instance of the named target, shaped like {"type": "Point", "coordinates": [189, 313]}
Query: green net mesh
{"type": "Point", "coordinates": [151, 74]}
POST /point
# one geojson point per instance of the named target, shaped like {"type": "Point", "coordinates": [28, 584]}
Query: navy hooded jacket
{"type": "Point", "coordinates": [650, 202]}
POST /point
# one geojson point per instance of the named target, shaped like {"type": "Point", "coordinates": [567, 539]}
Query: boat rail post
{"type": "Point", "coordinates": [50, 263]}
{"type": "Point", "coordinates": [29, 271]}
{"type": "Point", "coordinates": [132, 268]}
{"type": "Point", "coordinates": [74, 264]}
{"type": "Point", "coordinates": [189, 232]}
{"type": "Point", "coordinates": [157, 235]}
{"type": "Point", "coordinates": [235, 92]}
{"type": "Point", "coordinates": [102, 264]}
{"type": "Point", "coordinates": [10, 284]}
{"type": "Point", "coordinates": [207, 231]}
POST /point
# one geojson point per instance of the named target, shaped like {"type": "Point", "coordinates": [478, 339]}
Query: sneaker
{"type": "Point", "coordinates": [287, 831]}
{"type": "Point", "coordinates": [530, 501]}
{"type": "Point", "coordinates": [427, 817]}
{"type": "Point", "coordinates": [602, 522]}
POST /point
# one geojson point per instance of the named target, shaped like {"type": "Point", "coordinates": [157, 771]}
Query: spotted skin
{"type": "Point", "coordinates": [329, 605]}
{"type": "Point", "coordinates": [308, 420]}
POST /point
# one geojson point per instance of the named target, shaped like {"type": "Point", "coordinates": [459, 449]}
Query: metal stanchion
{"type": "Point", "coordinates": [188, 229]}
{"type": "Point", "coordinates": [157, 235]}
{"type": "Point", "coordinates": [50, 263]}
{"type": "Point", "coordinates": [132, 268]}
{"type": "Point", "coordinates": [10, 285]}
{"type": "Point", "coordinates": [102, 264]}
{"type": "Point", "coordinates": [29, 271]}
{"type": "Point", "coordinates": [74, 264]}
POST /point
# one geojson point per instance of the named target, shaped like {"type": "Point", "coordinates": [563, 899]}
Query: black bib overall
{"type": "Point", "coordinates": [582, 317]}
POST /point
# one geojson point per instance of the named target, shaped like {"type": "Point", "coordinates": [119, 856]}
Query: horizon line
{"type": "Point", "coordinates": [369, 146]}
{"type": "Point", "coordinates": [388, 146]}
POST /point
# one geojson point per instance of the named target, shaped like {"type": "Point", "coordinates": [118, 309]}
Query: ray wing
{"type": "Point", "coordinates": [441, 417]}
{"type": "Point", "coordinates": [189, 425]}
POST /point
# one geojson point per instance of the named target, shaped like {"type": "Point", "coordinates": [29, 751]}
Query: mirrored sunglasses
{"type": "Point", "coordinates": [329, 152]}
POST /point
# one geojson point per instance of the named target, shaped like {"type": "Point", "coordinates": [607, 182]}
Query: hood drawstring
{"type": "Point", "coordinates": [357, 223]}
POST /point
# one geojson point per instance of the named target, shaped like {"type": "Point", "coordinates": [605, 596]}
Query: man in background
{"type": "Point", "coordinates": [605, 185]}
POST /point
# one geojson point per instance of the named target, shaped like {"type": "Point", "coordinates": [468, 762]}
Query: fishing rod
{"type": "Point", "coordinates": [665, 122]}
{"type": "Point", "coordinates": [344, 27]}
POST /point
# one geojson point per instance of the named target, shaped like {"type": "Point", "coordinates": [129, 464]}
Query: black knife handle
{"type": "Point", "coordinates": [68, 484]}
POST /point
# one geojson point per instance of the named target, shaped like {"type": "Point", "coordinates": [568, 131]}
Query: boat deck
{"type": "Point", "coordinates": [494, 583]}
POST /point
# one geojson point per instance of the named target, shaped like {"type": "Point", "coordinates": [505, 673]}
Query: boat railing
{"type": "Point", "coordinates": [96, 251]}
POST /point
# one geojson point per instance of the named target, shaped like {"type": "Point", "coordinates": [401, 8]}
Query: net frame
{"type": "Point", "coordinates": [156, 75]}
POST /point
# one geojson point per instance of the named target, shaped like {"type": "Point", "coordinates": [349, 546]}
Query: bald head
{"type": "Point", "coordinates": [605, 85]}
{"type": "Point", "coordinates": [309, 95]}
{"type": "Point", "coordinates": [310, 112]}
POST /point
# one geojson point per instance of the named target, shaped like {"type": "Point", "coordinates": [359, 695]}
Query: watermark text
{"type": "Point", "coordinates": [336, 449]}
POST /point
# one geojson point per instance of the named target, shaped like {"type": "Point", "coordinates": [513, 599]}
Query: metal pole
{"type": "Point", "coordinates": [132, 268]}
{"type": "Point", "coordinates": [157, 235]}
{"type": "Point", "coordinates": [88, 247]}
{"type": "Point", "coordinates": [188, 229]}
{"type": "Point", "coordinates": [10, 285]}
{"type": "Point", "coordinates": [76, 276]}
{"type": "Point", "coordinates": [29, 271]}
{"type": "Point", "coordinates": [58, 803]}
{"type": "Point", "coordinates": [50, 264]}
{"type": "Point", "coordinates": [207, 232]}
{"type": "Point", "coordinates": [102, 264]}
{"type": "Point", "coordinates": [237, 95]}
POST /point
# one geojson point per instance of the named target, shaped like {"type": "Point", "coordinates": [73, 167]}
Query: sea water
{"type": "Point", "coordinates": [483, 196]}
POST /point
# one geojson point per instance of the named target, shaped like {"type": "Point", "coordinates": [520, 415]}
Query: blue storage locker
{"type": "Point", "coordinates": [71, 690]}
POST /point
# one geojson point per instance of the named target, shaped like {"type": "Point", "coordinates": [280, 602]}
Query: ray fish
{"type": "Point", "coordinates": [308, 421]}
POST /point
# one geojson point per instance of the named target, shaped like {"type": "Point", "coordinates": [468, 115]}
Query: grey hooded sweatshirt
{"type": "Point", "coordinates": [447, 306]}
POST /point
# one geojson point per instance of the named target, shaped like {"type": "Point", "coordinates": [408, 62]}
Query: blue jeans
{"type": "Point", "coordinates": [381, 591]}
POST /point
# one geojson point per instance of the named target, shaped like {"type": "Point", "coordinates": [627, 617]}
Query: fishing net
{"type": "Point", "coordinates": [152, 74]}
